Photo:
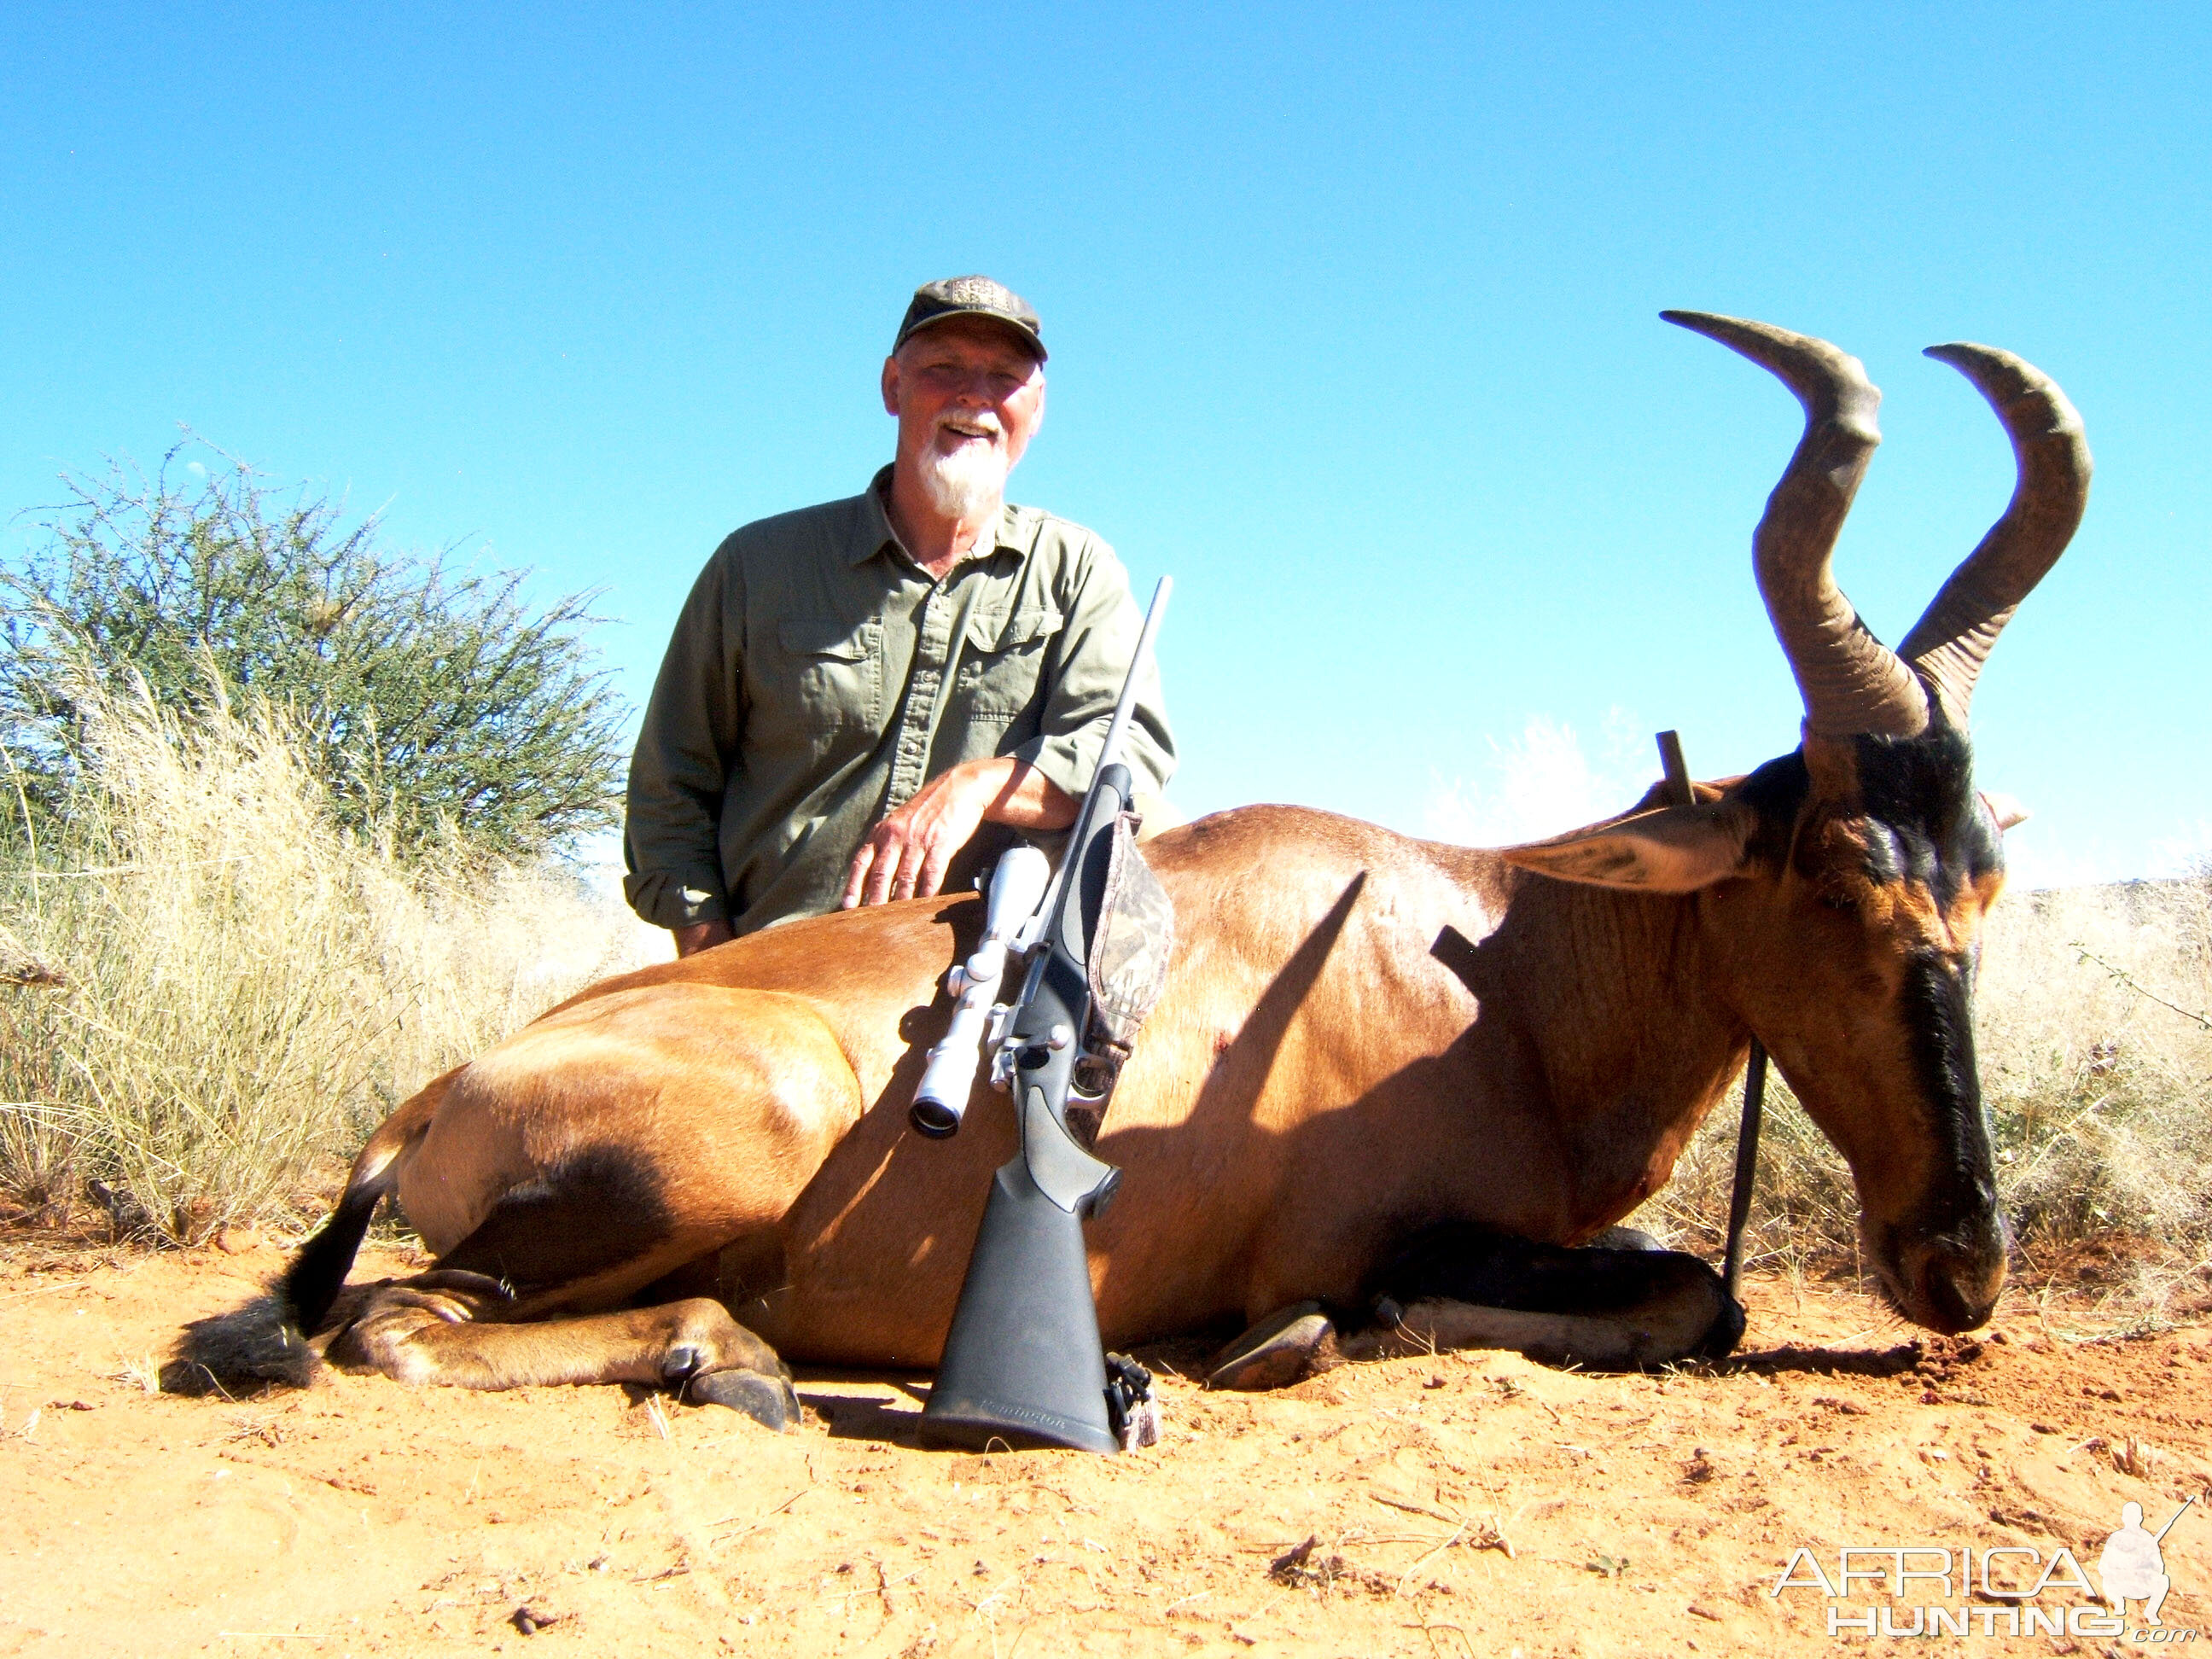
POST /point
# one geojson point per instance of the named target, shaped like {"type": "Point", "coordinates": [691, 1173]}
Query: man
{"type": "Point", "coordinates": [863, 701]}
{"type": "Point", "coordinates": [2132, 1567]}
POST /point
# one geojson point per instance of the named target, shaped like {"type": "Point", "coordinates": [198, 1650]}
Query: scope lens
{"type": "Point", "coordinates": [934, 1119]}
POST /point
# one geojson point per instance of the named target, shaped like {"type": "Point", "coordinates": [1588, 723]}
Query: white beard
{"type": "Point", "coordinates": [966, 483]}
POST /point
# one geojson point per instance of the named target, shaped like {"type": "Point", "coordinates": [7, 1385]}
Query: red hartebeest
{"type": "Point", "coordinates": [1362, 1035]}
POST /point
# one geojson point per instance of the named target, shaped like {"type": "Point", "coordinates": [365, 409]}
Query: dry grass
{"type": "Point", "coordinates": [2096, 1060]}
{"type": "Point", "coordinates": [211, 991]}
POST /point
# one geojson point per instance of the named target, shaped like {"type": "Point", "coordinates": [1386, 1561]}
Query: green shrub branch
{"type": "Point", "coordinates": [422, 699]}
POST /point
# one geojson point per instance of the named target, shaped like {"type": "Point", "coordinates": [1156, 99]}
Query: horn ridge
{"type": "Point", "coordinates": [1850, 681]}
{"type": "Point", "coordinates": [2050, 453]}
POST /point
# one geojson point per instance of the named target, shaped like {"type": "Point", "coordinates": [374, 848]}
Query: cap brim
{"type": "Point", "coordinates": [1028, 336]}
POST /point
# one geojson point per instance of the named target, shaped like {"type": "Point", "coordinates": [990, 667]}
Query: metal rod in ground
{"type": "Point", "coordinates": [1679, 794]}
{"type": "Point", "coordinates": [1679, 791]}
{"type": "Point", "coordinates": [1747, 1167]}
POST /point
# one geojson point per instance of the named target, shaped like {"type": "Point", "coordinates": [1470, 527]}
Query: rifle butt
{"type": "Point", "coordinates": [1023, 1365]}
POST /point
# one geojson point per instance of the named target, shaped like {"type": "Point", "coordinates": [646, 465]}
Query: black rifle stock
{"type": "Point", "coordinates": [1022, 1363]}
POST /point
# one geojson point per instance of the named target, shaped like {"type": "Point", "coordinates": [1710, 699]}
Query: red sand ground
{"type": "Point", "coordinates": [1644, 1515]}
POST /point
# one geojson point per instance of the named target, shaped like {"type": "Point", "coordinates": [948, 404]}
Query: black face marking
{"type": "Point", "coordinates": [1885, 856]}
{"type": "Point", "coordinates": [599, 1207]}
{"type": "Point", "coordinates": [1956, 1221]}
{"type": "Point", "coordinates": [1918, 816]}
{"type": "Point", "coordinates": [1939, 1026]}
{"type": "Point", "coordinates": [1926, 824]}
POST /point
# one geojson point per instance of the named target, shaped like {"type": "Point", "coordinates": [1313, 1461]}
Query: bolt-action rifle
{"type": "Point", "coordinates": [1023, 1362]}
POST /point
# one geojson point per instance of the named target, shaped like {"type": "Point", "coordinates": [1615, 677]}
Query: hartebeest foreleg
{"type": "Point", "coordinates": [1622, 1304]}
{"type": "Point", "coordinates": [451, 1328]}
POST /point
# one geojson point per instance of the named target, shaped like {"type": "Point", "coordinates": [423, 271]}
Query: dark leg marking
{"type": "Point", "coordinates": [1457, 1261]}
{"type": "Point", "coordinates": [599, 1206]}
{"type": "Point", "coordinates": [1617, 1305]}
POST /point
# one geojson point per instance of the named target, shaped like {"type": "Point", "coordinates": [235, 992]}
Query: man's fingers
{"type": "Point", "coordinates": [909, 853]}
{"type": "Point", "coordinates": [913, 862]}
{"type": "Point", "coordinates": [933, 869]}
{"type": "Point", "coordinates": [889, 856]}
{"type": "Point", "coordinates": [879, 883]}
{"type": "Point", "coordinates": [858, 873]}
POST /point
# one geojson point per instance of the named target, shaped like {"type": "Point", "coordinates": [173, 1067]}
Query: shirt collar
{"type": "Point", "coordinates": [873, 532]}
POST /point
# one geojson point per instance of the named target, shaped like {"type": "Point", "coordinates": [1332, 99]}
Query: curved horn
{"type": "Point", "coordinates": [1850, 680]}
{"type": "Point", "coordinates": [1950, 641]}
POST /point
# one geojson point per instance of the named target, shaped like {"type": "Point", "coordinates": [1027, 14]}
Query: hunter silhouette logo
{"type": "Point", "coordinates": [2007, 1590]}
{"type": "Point", "coordinates": [2132, 1568]}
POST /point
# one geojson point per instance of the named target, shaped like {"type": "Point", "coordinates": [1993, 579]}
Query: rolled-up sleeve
{"type": "Point", "coordinates": [1090, 658]}
{"type": "Point", "coordinates": [680, 775]}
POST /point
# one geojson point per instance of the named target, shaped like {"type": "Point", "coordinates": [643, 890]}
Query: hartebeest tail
{"type": "Point", "coordinates": [317, 1275]}
{"type": "Point", "coordinates": [266, 1340]}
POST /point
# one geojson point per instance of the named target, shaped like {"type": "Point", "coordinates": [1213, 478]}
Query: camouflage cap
{"type": "Point", "coordinates": [971, 296]}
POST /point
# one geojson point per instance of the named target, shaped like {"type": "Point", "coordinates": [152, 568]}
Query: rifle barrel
{"type": "Point", "coordinates": [1116, 733]}
{"type": "Point", "coordinates": [2177, 1514]}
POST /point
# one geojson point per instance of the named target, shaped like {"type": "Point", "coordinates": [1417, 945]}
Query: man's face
{"type": "Point", "coordinates": [968, 397]}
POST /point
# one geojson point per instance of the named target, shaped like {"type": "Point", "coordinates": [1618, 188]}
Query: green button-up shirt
{"type": "Point", "coordinates": [818, 677]}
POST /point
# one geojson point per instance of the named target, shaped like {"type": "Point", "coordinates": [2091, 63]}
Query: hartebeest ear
{"type": "Point", "coordinates": [2004, 809]}
{"type": "Point", "coordinates": [1675, 849]}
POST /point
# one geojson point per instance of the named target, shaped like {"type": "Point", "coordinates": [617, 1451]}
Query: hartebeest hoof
{"type": "Point", "coordinates": [1280, 1350]}
{"type": "Point", "coordinates": [770, 1400]}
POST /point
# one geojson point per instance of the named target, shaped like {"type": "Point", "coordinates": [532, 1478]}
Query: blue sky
{"type": "Point", "coordinates": [1353, 314]}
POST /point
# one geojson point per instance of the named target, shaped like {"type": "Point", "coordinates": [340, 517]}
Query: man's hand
{"type": "Point", "coordinates": [905, 856]}
{"type": "Point", "coordinates": [701, 936]}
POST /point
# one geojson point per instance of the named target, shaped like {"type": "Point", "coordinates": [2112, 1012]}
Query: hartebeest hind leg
{"type": "Point", "coordinates": [453, 1328]}
{"type": "Point", "coordinates": [1603, 1307]}
{"type": "Point", "coordinates": [592, 1160]}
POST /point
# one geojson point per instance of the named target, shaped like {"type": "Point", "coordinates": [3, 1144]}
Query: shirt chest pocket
{"type": "Point", "coordinates": [832, 671]}
{"type": "Point", "coordinates": [1003, 661]}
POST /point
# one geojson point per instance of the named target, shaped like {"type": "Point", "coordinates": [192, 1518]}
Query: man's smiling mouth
{"type": "Point", "coordinates": [967, 430]}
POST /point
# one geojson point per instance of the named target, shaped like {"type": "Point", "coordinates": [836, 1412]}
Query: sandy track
{"type": "Point", "coordinates": [1644, 1514]}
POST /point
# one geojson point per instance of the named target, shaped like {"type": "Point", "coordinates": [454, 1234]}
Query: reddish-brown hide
{"type": "Point", "coordinates": [1361, 1033]}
